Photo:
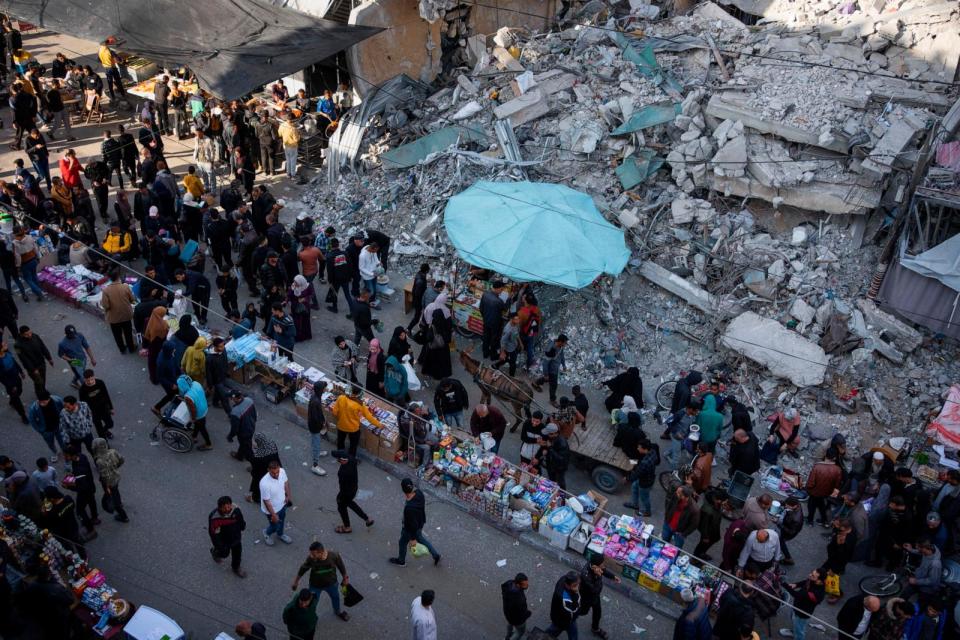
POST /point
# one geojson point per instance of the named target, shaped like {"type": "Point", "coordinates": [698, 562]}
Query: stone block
{"type": "Point", "coordinates": [523, 109]}
{"type": "Point", "coordinates": [785, 353]}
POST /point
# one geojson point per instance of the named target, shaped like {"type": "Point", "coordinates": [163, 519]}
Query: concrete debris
{"type": "Point", "coordinates": [786, 354]}
{"type": "Point", "coordinates": [784, 146]}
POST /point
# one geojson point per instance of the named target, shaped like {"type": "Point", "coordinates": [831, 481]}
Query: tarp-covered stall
{"type": "Point", "coordinates": [532, 231]}
{"type": "Point", "coordinates": [234, 46]}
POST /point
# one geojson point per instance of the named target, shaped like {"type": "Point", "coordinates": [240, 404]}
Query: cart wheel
{"type": "Point", "coordinates": [466, 333]}
{"type": "Point", "coordinates": [606, 478]}
{"type": "Point", "coordinates": [664, 394]}
{"type": "Point", "coordinates": [881, 586]}
{"type": "Point", "coordinates": [177, 440]}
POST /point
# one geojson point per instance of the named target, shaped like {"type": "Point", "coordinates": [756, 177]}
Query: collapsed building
{"type": "Point", "coordinates": [770, 163]}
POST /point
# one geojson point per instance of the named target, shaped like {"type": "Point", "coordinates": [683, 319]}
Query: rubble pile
{"type": "Point", "coordinates": [718, 147]}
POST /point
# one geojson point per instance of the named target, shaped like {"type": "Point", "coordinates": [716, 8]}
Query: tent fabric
{"type": "Point", "coordinates": [946, 426]}
{"type": "Point", "coordinates": [920, 299]}
{"type": "Point", "coordinates": [233, 46]}
{"type": "Point", "coordinates": [942, 262]}
{"type": "Point", "coordinates": [532, 231]}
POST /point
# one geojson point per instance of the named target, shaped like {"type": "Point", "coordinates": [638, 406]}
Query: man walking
{"type": "Point", "coordinates": [274, 500]}
{"type": "Point", "coordinates": [317, 426]}
{"type": "Point", "coordinates": [346, 497]}
{"type": "Point", "coordinates": [323, 566]}
{"type": "Point", "coordinates": [117, 302]}
{"type": "Point", "coordinates": [591, 586]}
{"type": "Point", "coordinates": [76, 422]}
{"type": "Point", "coordinates": [564, 606]}
{"type": "Point", "coordinates": [74, 350]}
{"type": "Point", "coordinates": [161, 100]}
{"type": "Point", "coordinates": [108, 463]}
{"type": "Point", "coordinates": [300, 616]}
{"type": "Point", "coordinates": [515, 608]}
{"type": "Point", "coordinates": [806, 596]}
{"type": "Point", "coordinates": [243, 424]}
{"type": "Point", "coordinates": [94, 392]}
{"type": "Point", "coordinates": [422, 619]}
{"type": "Point", "coordinates": [642, 477]}
{"type": "Point", "coordinates": [44, 416]}
{"type": "Point", "coordinates": [217, 375]}
{"type": "Point", "coordinates": [681, 516]}
{"type": "Point", "coordinates": [225, 526]}
{"type": "Point", "coordinates": [33, 353]}
{"type": "Point", "coordinates": [84, 485]}
{"type": "Point", "coordinates": [414, 518]}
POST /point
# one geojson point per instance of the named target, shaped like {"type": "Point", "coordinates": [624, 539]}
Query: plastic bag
{"type": "Point", "coordinates": [413, 382]}
{"type": "Point", "coordinates": [351, 596]}
{"type": "Point", "coordinates": [418, 551]}
{"type": "Point", "coordinates": [832, 584]}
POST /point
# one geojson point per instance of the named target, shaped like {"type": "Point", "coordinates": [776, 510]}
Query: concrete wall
{"type": "Point", "coordinates": [535, 15]}
{"type": "Point", "coordinates": [409, 44]}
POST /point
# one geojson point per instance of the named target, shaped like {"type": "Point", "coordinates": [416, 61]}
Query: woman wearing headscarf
{"type": "Point", "coordinates": [153, 337]}
{"type": "Point", "coordinates": [375, 368]}
{"type": "Point", "coordinates": [264, 452]}
{"type": "Point", "coordinates": [627, 406]}
{"type": "Point", "coordinates": [400, 345]}
{"type": "Point", "coordinates": [194, 362]}
{"type": "Point", "coordinates": [435, 357]}
{"type": "Point", "coordinates": [627, 383]}
{"type": "Point", "coordinates": [185, 336]}
{"type": "Point", "coordinates": [168, 370]}
{"type": "Point", "coordinates": [301, 299]}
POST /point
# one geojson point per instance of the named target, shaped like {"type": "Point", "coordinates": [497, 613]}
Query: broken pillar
{"type": "Point", "coordinates": [523, 109]}
{"type": "Point", "coordinates": [906, 337]}
{"type": "Point", "coordinates": [691, 293]}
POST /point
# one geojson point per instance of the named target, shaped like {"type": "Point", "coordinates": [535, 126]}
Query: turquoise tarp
{"type": "Point", "coordinates": [408, 155]}
{"type": "Point", "coordinates": [534, 231]}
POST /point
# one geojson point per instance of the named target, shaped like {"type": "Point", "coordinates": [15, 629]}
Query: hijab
{"type": "Point", "coordinates": [187, 334]}
{"type": "Point", "coordinates": [440, 304]}
{"type": "Point", "coordinates": [399, 347]}
{"type": "Point", "coordinates": [299, 285]}
{"type": "Point", "coordinates": [263, 446]}
{"type": "Point", "coordinates": [194, 359]}
{"type": "Point", "coordinates": [373, 361]}
{"type": "Point", "coordinates": [629, 405]}
{"type": "Point", "coordinates": [157, 326]}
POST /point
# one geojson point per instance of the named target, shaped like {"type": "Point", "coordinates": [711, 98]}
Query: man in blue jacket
{"type": "Point", "coordinates": [44, 417]}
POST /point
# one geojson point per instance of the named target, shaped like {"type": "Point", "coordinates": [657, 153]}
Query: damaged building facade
{"type": "Point", "coordinates": [776, 168]}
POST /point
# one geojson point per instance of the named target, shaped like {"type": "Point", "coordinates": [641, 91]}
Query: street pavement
{"type": "Point", "coordinates": [161, 557]}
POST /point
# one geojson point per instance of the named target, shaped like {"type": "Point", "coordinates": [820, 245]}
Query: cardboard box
{"type": "Point", "coordinates": [649, 583]}
{"type": "Point", "coordinates": [301, 410]}
{"type": "Point", "coordinates": [612, 565]}
{"type": "Point", "coordinates": [370, 441]}
{"type": "Point", "coordinates": [556, 538]}
{"type": "Point", "coordinates": [601, 506]}
{"type": "Point", "coordinates": [631, 574]}
{"type": "Point", "coordinates": [388, 448]}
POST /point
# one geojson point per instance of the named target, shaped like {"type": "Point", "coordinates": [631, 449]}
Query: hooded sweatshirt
{"type": "Point", "coordinates": [192, 390]}
{"type": "Point", "coordinates": [194, 362]}
{"type": "Point", "coordinates": [316, 420]}
{"type": "Point", "coordinates": [710, 420]}
{"type": "Point", "coordinates": [243, 420]}
{"type": "Point", "coordinates": [108, 462]}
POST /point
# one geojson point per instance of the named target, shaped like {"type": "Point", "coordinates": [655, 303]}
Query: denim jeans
{"type": "Point", "coordinates": [454, 418]}
{"type": "Point", "coordinates": [528, 346]}
{"type": "Point", "coordinates": [675, 453]}
{"type": "Point", "coordinates": [59, 118]}
{"type": "Point", "coordinates": [640, 497]}
{"type": "Point", "coordinates": [52, 439]}
{"type": "Point", "coordinates": [78, 370]}
{"type": "Point", "coordinates": [290, 164]}
{"type": "Point", "coordinates": [29, 272]}
{"type": "Point", "coordinates": [14, 277]}
{"type": "Point", "coordinates": [42, 167]}
{"type": "Point", "coordinates": [276, 527]}
{"type": "Point", "coordinates": [209, 175]}
{"type": "Point", "coordinates": [800, 627]}
{"type": "Point", "coordinates": [405, 539]}
{"type": "Point", "coordinates": [571, 630]}
{"type": "Point", "coordinates": [516, 632]}
{"type": "Point", "coordinates": [316, 440]}
{"type": "Point", "coordinates": [673, 537]}
{"type": "Point", "coordinates": [371, 286]}
{"type": "Point", "coordinates": [333, 591]}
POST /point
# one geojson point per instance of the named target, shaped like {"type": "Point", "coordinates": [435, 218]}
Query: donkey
{"type": "Point", "coordinates": [516, 393]}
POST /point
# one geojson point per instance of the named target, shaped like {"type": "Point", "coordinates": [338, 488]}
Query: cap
{"type": "Point", "coordinates": [791, 414]}
{"type": "Point", "coordinates": [70, 331]}
{"type": "Point", "coordinates": [550, 428]}
{"type": "Point", "coordinates": [933, 518]}
{"type": "Point", "coordinates": [877, 455]}
{"type": "Point", "coordinates": [687, 595]}
{"type": "Point", "coordinates": [154, 211]}
{"type": "Point", "coordinates": [281, 202]}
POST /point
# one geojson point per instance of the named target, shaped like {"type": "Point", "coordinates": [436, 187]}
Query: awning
{"type": "Point", "coordinates": [533, 231]}
{"type": "Point", "coordinates": [946, 426]}
{"type": "Point", "coordinates": [234, 46]}
{"type": "Point", "coordinates": [942, 262]}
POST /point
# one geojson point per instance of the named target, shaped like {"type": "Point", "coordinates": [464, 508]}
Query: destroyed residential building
{"type": "Point", "coordinates": [762, 159]}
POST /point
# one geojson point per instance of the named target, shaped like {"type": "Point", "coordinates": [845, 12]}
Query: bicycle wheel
{"type": "Point", "coordinates": [882, 586]}
{"type": "Point", "coordinates": [664, 394]}
{"type": "Point", "coordinates": [667, 481]}
{"type": "Point", "coordinates": [177, 440]}
{"type": "Point", "coordinates": [465, 332]}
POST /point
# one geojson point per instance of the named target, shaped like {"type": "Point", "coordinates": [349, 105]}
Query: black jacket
{"type": "Point", "coordinates": [127, 147]}
{"type": "Point", "coordinates": [97, 397]}
{"type": "Point", "coordinates": [338, 267]}
{"type": "Point", "coordinates": [243, 420]}
{"type": "Point", "coordinates": [564, 605]}
{"type": "Point", "coordinates": [83, 472]}
{"type": "Point", "coordinates": [32, 352]}
{"type": "Point", "coordinates": [591, 585]}
{"type": "Point", "coordinates": [349, 483]}
{"type": "Point", "coordinates": [8, 308]}
{"type": "Point", "coordinates": [491, 308]}
{"type": "Point", "coordinates": [112, 152]}
{"type": "Point", "coordinates": [316, 421]}
{"type": "Point", "coordinates": [558, 456]}
{"type": "Point", "coordinates": [515, 608]}
{"type": "Point", "coordinates": [734, 611]}
{"type": "Point", "coordinates": [61, 520]}
{"type": "Point", "coordinates": [450, 400]}
{"type": "Point", "coordinates": [217, 368]}
{"type": "Point", "coordinates": [850, 614]}
{"type": "Point", "coordinates": [745, 457]}
{"type": "Point", "coordinates": [225, 530]}
{"type": "Point", "coordinates": [419, 288]}
{"type": "Point", "coordinates": [682, 392]}
{"type": "Point", "coordinates": [415, 513]}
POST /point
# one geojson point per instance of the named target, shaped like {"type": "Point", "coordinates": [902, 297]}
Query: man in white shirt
{"type": "Point", "coordinates": [762, 549]}
{"type": "Point", "coordinates": [369, 265]}
{"type": "Point", "coordinates": [421, 617]}
{"type": "Point", "coordinates": [274, 499]}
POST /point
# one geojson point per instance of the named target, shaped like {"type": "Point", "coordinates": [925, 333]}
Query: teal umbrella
{"type": "Point", "coordinates": [534, 231]}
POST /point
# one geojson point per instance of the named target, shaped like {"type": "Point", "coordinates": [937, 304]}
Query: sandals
{"type": "Point", "coordinates": [342, 529]}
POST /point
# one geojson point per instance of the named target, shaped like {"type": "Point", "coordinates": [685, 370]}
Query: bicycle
{"type": "Point", "coordinates": [882, 586]}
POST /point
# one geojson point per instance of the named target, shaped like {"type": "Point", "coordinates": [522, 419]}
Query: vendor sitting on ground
{"type": "Point", "coordinates": [118, 243]}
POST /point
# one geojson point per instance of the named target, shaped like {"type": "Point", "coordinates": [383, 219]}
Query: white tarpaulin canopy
{"type": "Point", "coordinates": [942, 263]}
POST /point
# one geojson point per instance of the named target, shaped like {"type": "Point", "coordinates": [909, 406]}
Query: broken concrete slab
{"type": "Point", "coordinates": [712, 12]}
{"type": "Point", "coordinates": [880, 412]}
{"type": "Point", "coordinates": [523, 109]}
{"type": "Point", "coordinates": [731, 158]}
{"type": "Point", "coordinates": [507, 61]}
{"type": "Point", "coordinates": [901, 134]}
{"type": "Point", "coordinates": [554, 81]}
{"type": "Point", "coordinates": [803, 312]}
{"type": "Point", "coordinates": [885, 349]}
{"type": "Point", "coordinates": [785, 353]}
{"type": "Point", "coordinates": [906, 337]}
{"type": "Point", "coordinates": [470, 86]}
{"type": "Point", "coordinates": [689, 292]}
{"type": "Point", "coordinates": [723, 109]}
